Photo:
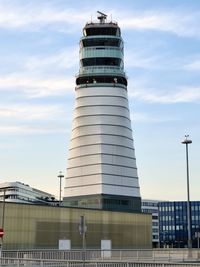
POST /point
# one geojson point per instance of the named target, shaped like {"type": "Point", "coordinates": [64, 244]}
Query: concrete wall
{"type": "Point", "coordinates": [33, 226]}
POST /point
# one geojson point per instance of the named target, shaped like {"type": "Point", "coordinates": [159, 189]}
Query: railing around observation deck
{"type": "Point", "coordinates": [101, 69]}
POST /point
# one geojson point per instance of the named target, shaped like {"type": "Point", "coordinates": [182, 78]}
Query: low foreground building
{"type": "Point", "coordinates": [33, 226]}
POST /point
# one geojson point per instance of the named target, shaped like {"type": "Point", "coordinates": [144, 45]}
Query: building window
{"type": "Point", "coordinates": [154, 217]}
{"type": "Point", "coordinates": [154, 223]}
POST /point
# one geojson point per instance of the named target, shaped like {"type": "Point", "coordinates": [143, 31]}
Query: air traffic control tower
{"type": "Point", "coordinates": [101, 171]}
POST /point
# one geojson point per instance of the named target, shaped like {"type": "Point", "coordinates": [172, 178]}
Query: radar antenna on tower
{"type": "Point", "coordinates": [102, 17]}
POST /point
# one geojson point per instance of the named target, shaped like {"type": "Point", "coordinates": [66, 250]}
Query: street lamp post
{"type": "Point", "coordinates": [2, 222]}
{"type": "Point", "coordinates": [186, 142]}
{"type": "Point", "coordinates": [60, 176]}
{"type": "Point", "coordinates": [82, 230]}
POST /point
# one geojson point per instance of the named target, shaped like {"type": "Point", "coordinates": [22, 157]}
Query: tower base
{"type": "Point", "coordinates": [105, 202]}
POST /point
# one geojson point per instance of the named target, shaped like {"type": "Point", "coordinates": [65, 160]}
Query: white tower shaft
{"type": "Point", "coordinates": [101, 170]}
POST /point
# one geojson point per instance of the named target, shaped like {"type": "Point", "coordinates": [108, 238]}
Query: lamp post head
{"type": "Point", "coordinates": [60, 175]}
{"type": "Point", "coordinates": [186, 140]}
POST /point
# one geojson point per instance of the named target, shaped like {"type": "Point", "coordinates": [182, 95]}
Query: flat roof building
{"type": "Point", "coordinates": [23, 193]}
{"type": "Point", "coordinates": [173, 223]}
{"type": "Point", "coordinates": [151, 207]}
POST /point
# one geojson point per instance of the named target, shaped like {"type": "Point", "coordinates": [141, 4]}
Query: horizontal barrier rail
{"type": "Point", "coordinates": [11, 262]}
{"type": "Point", "coordinates": [165, 255]}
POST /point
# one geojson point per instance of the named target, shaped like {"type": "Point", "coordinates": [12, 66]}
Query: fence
{"type": "Point", "coordinates": [8, 262]}
{"type": "Point", "coordinates": [164, 255]}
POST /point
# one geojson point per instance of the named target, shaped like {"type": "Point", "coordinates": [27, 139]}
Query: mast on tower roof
{"type": "Point", "coordinates": [102, 17]}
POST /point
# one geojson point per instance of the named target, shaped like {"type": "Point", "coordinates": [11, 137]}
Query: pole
{"type": "Point", "coordinates": [82, 230]}
{"type": "Point", "coordinates": [186, 142]}
{"type": "Point", "coordinates": [188, 201]}
{"type": "Point", "coordinates": [60, 190]}
{"type": "Point", "coordinates": [3, 213]}
{"type": "Point", "coordinates": [2, 221]}
{"type": "Point", "coordinates": [60, 176]}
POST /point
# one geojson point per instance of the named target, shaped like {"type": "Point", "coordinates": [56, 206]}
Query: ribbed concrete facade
{"type": "Point", "coordinates": [101, 163]}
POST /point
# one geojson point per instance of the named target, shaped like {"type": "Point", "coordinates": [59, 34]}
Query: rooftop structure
{"type": "Point", "coordinates": [23, 193]}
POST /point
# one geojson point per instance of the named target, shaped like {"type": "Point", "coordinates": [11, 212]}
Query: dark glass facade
{"type": "Point", "coordinates": [101, 79]}
{"type": "Point", "coordinates": [93, 30]}
{"type": "Point", "coordinates": [101, 42]}
{"type": "Point", "coordinates": [101, 61]}
{"type": "Point", "coordinates": [173, 223]}
{"type": "Point", "coordinates": [105, 202]}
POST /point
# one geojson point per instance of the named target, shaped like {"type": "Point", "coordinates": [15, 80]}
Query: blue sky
{"type": "Point", "coordinates": [39, 51]}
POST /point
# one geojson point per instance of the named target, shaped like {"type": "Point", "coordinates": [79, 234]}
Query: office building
{"type": "Point", "coordinates": [151, 207]}
{"type": "Point", "coordinates": [22, 193]}
{"type": "Point", "coordinates": [173, 223]}
{"type": "Point", "coordinates": [101, 170]}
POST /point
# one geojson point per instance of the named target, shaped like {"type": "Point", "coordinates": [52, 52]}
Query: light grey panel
{"type": "Point", "coordinates": [92, 120]}
{"type": "Point", "coordinates": [94, 91]}
{"type": "Point", "coordinates": [84, 180]}
{"type": "Point", "coordinates": [119, 170]}
{"type": "Point", "coordinates": [119, 180]}
{"type": "Point", "coordinates": [102, 129]}
{"type": "Point", "coordinates": [96, 139]}
{"type": "Point", "coordinates": [117, 190]}
{"type": "Point", "coordinates": [85, 170]}
{"type": "Point", "coordinates": [119, 150]}
{"type": "Point", "coordinates": [84, 190]}
{"type": "Point", "coordinates": [100, 110]}
{"type": "Point", "coordinates": [86, 160]}
{"type": "Point", "coordinates": [84, 150]}
{"type": "Point", "coordinates": [113, 159]}
{"type": "Point", "coordinates": [88, 101]}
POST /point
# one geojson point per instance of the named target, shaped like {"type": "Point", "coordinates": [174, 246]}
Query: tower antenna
{"type": "Point", "coordinates": [102, 17]}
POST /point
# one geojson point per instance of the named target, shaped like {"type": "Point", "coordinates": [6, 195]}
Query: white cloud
{"type": "Point", "coordinates": [55, 62]}
{"type": "Point", "coordinates": [41, 75]}
{"type": "Point", "coordinates": [150, 118]}
{"type": "Point", "coordinates": [178, 95]}
{"type": "Point", "coordinates": [30, 129]}
{"type": "Point", "coordinates": [139, 60]}
{"type": "Point", "coordinates": [35, 86]}
{"type": "Point", "coordinates": [32, 17]}
{"type": "Point", "coordinates": [26, 118]}
{"type": "Point", "coordinates": [27, 112]}
{"type": "Point", "coordinates": [181, 23]}
{"type": "Point", "coordinates": [193, 66]}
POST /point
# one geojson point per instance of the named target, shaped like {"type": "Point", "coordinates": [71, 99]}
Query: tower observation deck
{"type": "Point", "coordinates": [101, 171]}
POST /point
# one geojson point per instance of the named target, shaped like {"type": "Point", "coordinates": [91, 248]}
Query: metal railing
{"type": "Point", "coordinates": [9, 262]}
{"type": "Point", "coordinates": [164, 255]}
{"type": "Point", "coordinates": [101, 69]}
{"type": "Point", "coordinates": [94, 48]}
